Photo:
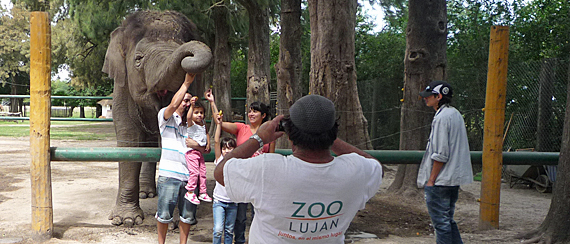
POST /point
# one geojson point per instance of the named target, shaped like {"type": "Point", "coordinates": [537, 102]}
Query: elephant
{"type": "Point", "coordinates": [148, 57]}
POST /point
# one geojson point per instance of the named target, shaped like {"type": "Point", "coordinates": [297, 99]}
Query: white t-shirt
{"type": "Point", "coordinates": [219, 190]}
{"type": "Point", "coordinates": [172, 163]}
{"type": "Point", "coordinates": [296, 201]}
{"type": "Point", "coordinates": [198, 134]}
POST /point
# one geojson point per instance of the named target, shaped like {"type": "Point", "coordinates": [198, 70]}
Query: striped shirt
{"type": "Point", "coordinates": [173, 134]}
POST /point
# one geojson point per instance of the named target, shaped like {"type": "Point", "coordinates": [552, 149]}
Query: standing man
{"type": "Point", "coordinates": [446, 164]}
{"type": "Point", "coordinates": [172, 172]}
{"type": "Point", "coordinates": [310, 195]}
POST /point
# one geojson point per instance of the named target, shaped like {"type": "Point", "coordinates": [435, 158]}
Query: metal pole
{"type": "Point", "coordinates": [494, 126]}
{"type": "Point", "coordinates": [152, 154]}
{"type": "Point", "coordinates": [40, 103]}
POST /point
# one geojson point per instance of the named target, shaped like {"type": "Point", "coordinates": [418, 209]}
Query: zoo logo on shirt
{"type": "Point", "coordinates": [315, 217]}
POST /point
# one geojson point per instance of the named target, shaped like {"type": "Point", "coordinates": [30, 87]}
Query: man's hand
{"type": "Point", "coordinates": [268, 130]}
{"type": "Point", "coordinates": [189, 78]}
{"type": "Point", "coordinates": [190, 143]}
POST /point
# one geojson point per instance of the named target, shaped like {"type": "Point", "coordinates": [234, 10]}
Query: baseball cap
{"type": "Point", "coordinates": [313, 114]}
{"type": "Point", "coordinates": [437, 87]}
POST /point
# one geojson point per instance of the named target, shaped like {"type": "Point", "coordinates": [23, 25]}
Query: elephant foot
{"type": "Point", "coordinates": [128, 216]}
{"type": "Point", "coordinates": [147, 191]}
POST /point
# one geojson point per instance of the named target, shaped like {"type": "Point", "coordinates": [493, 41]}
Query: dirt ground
{"type": "Point", "coordinates": [84, 193]}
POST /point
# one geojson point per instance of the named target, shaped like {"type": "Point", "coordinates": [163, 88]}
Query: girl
{"type": "Point", "coordinates": [224, 209]}
{"type": "Point", "coordinates": [194, 158]}
{"type": "Point", "coordinates": [258, 113]}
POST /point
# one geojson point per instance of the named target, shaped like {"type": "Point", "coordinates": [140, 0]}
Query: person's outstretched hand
{"type": "Point", "coordinates": [209, 95]}
{"type": "Point", "coordinates": [219, 118]}
{"type": "Point", "coordinates": [268, 130]}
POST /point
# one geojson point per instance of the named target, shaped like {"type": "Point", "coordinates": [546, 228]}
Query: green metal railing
{"type": "Point", "coordinates": [57, 118]}
{"type": "Point", "coordinates": [141, 154]}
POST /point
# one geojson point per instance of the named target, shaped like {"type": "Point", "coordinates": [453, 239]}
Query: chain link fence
{"type": "Point", "coordinates": [535, 106]}
{"type": "Point", "coordinates": [536, 102]}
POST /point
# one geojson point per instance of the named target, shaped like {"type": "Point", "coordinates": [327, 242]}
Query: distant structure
{"type": "Point", "coordinates": [107, 107]}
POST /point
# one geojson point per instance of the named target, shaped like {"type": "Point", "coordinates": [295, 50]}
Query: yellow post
{"type": "Point", "coordinates": [40, 103]}
{"type": "Point", "coordinates": [494, 125]}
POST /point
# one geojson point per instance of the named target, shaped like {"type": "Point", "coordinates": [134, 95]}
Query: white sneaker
{"type": "Point", "coordinates": [204, 197]}
{"type": "Point", "coordinates": [191, 196]}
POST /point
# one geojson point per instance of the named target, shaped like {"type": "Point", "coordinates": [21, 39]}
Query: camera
{"type": "Point", "coordinates": [283, 124]}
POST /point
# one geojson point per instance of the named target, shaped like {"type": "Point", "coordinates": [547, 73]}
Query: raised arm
{"type": "Point", "coordinates": [189, 120]}
{"type": "Point", "coordinates": [267, 133]}
{"type": "Point", "coordinates": [217, 135]}
{"type": "Point", "coordinates": [178, 96]}
{"type": "Point", "coordinates": [226, 126]}
{"type": "Point", "coordinates": [341, 147]}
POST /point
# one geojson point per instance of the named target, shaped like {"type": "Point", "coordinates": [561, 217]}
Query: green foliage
{"type": "Point", "coordinates": [36, 5]}
{"type": "Point", "coordinates": [380, 73]}
{"type": "Point", "coordinates": [469, 24]}
{"type": "Point", "coordinates": [238, 73]}
{"type": "Point", "coordinates": [14, 46]}
{"type": "Point", "coordinates": [541, 29]}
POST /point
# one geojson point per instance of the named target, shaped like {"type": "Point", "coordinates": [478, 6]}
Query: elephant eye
{"type": "Point", "coordinates": [139, 60]}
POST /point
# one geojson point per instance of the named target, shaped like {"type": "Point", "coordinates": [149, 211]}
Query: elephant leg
{"type": "Point", "coordinates": [147, 180]}
{"type": "Point", "coordinates": [127, 209]}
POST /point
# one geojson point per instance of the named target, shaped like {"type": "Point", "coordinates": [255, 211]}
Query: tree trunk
{"type": "Point", "coordinates": [259, 59]}
{"type": "Point", "coordinates": [98, 110]}
{"type": "Point", "coordinates": [333, 71]}
{"type": "Point", "coordinates": [70, 112]}
{"type": "Point", "coordinates": [222, 61]}
{"type": "Point", "coordinates": [543, 128]}
{"type": "Point", "coordinates": [14, 103]}
{"type": "Point", "coordinates": [81, 112]}
{"type": "Point", "coordinates": [424, 62]}
{"type": "Point", "coordinates": [288, 68]}
{"type": "Point", "coordinates": [556, 226]}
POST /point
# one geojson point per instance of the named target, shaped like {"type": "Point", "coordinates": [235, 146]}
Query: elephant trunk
{"type": "Point", "coordinates": [190, 57]}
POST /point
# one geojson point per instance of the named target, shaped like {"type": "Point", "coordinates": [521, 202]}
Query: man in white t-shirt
{"type": "Point", "coordinates": [309, 196]}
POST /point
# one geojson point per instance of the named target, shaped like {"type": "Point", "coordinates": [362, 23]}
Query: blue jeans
{"type": "Point", "coordinates": [440, 201]}
{"type": "Point", "coordinates": [171, 194]}
{"type": "Point", "coordinates": [224, 220]}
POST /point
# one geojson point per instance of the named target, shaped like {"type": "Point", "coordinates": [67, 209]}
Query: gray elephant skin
{"type": "Point", "coordinates": [148, 57]}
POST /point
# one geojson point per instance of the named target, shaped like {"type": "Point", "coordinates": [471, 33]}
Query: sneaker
{"type": "Point", "coordinates": [191, 196]}
{"type": "Point", "coordinates": [204, 197]}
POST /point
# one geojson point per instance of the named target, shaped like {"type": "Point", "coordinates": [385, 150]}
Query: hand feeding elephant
{"type": "Point", "coordinates": [148, 57]}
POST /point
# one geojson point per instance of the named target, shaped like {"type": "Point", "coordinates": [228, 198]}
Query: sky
{"type": "Point", "coordinates": [6, 3]}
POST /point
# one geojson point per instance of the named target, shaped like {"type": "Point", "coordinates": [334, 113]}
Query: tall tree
{"type": "Point", "coordinates": [258, 62]}
{"type": "Point", "coordinates": [333, 71]}
{"type": "Point", "coordinates": [288, 68]}
{"type": "Point", "coordinates": [424, 61]}
{"type": "Point", "coordinates": [14, 54]}
{"type": "Point", "coordinates": [222, 57]}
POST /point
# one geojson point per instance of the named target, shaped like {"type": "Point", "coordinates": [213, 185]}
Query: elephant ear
{"type": "Point", "coordinates": [115, 65]}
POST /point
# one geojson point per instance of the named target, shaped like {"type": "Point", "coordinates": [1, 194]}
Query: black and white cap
{"type": "Point", "coordinates": [437, 87]}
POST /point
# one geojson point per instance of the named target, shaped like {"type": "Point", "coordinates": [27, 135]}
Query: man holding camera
{"type": "Point", "coordinates": [309, 195]}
